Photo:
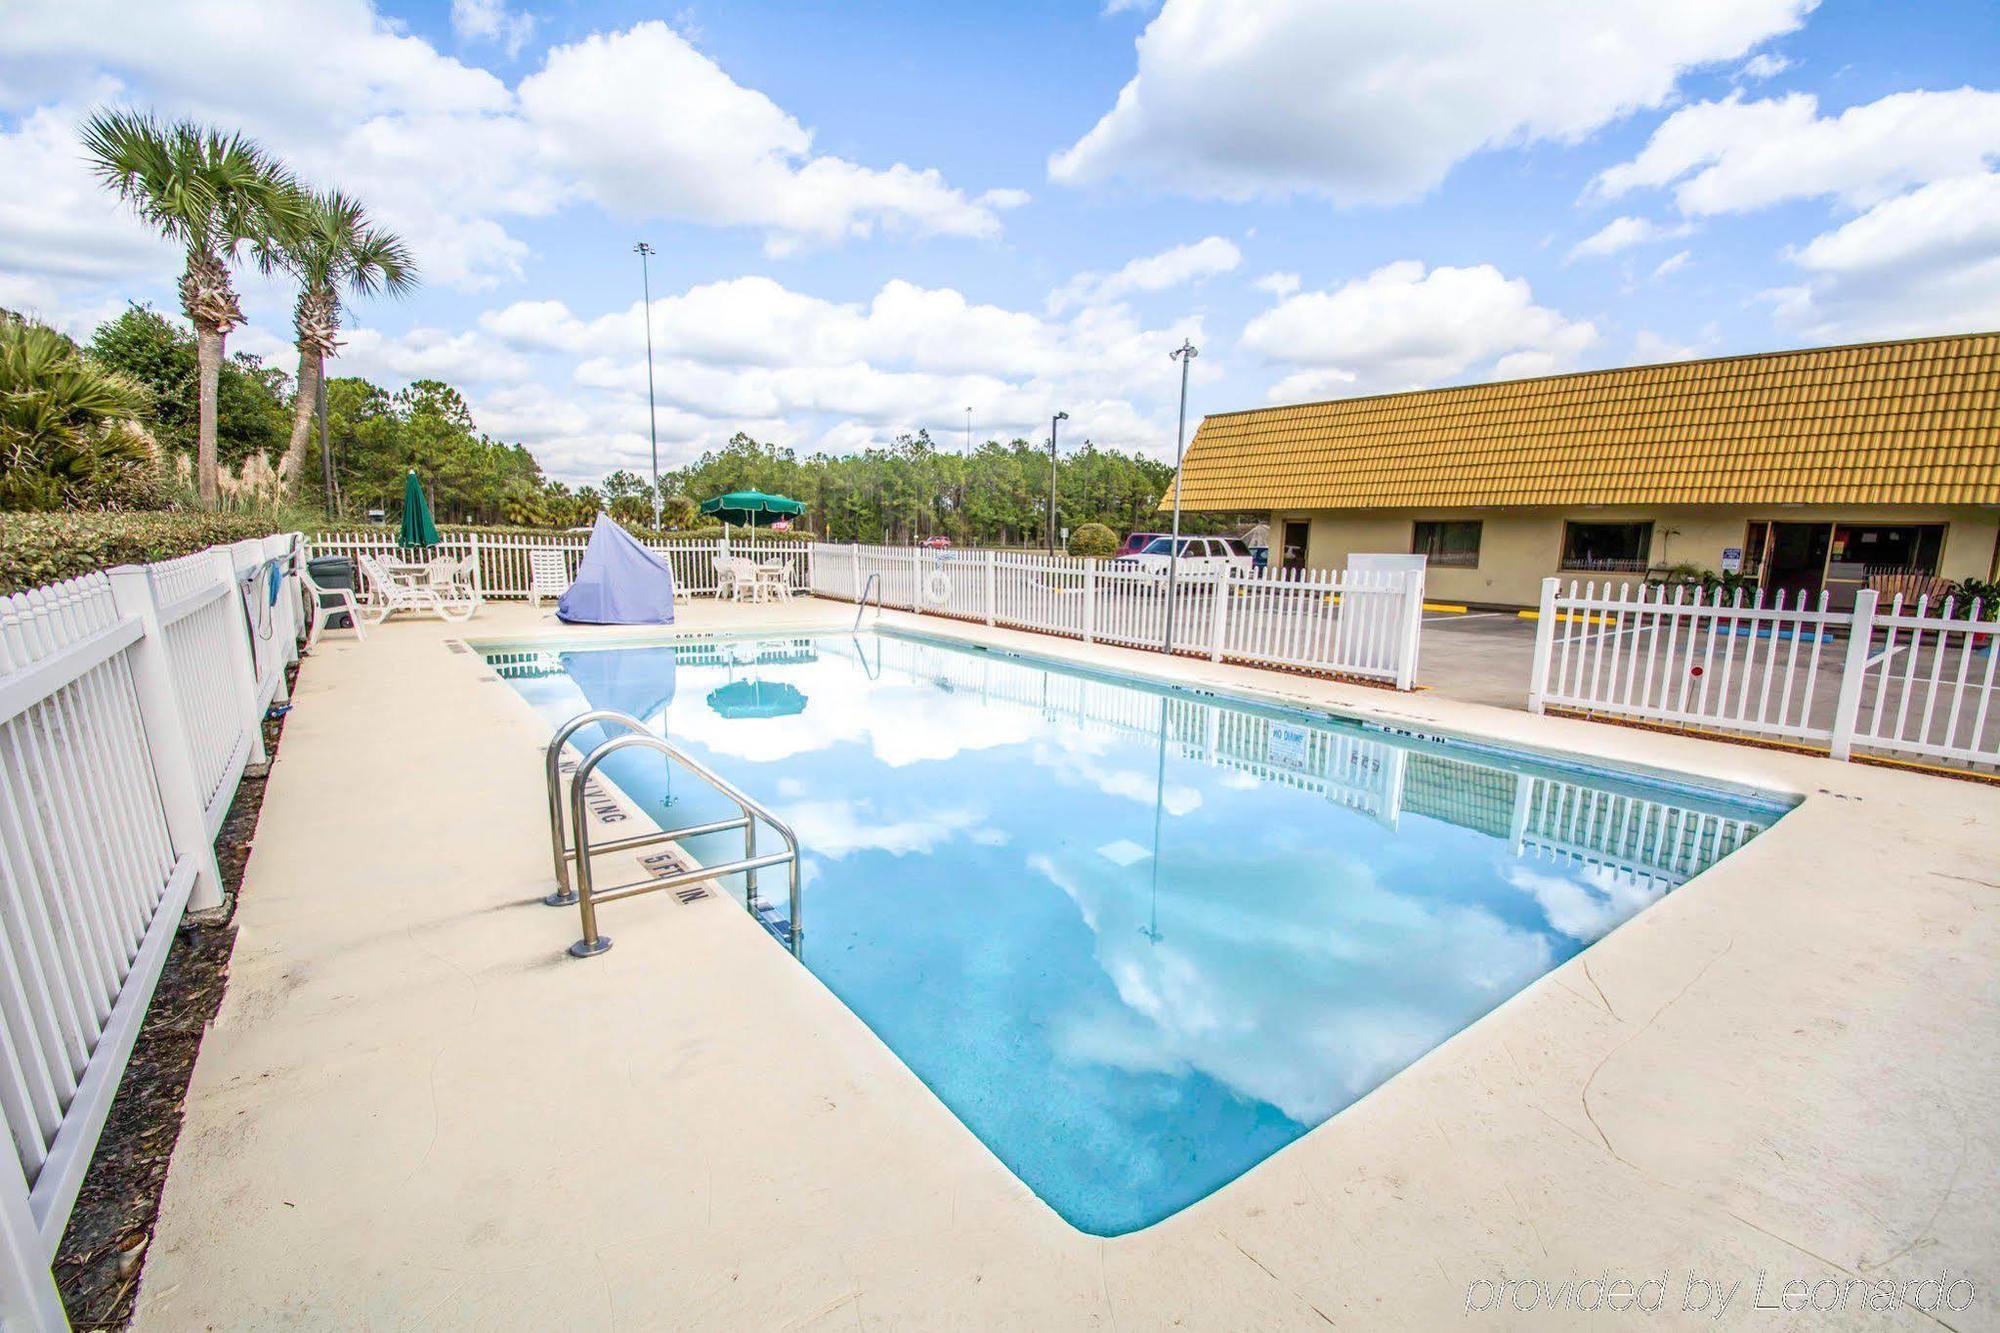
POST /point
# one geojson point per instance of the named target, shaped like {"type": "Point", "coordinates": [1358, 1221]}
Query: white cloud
{"type": "Point", "coordinates": [815, 373]}
{"type": "Point", "coordinates": [1650, 348]}
{"type": "Point", "coordinates": [59, 236]}
{"type": "Point", "coordinates": [1239, 98]}
{"type": "Point", "coordinates": [1403, 327]}
{"type": "Point", "coordinates": [1673, 263]}
{"type": "Point", "coordinates": [1922, 255]}
{"type": "Point", "coordinates": [1279, 285]}
{"type": "Point", "coordinates": [1735, 156]}
{"type": "Point", "coordinates": [491, 21]}
{"type": "Point", "coordinates": [466, 360]}
{"type": "Point", "coordinates": [1622, 234]}
{"type": "Point", "coordinates": [1151, 273]}
{"type": "Point", "coordinates": [1764, 65]}
{"type": "Point", "coordinates": [445, 153]}
{"type": "Point", "coordinates": [1924, 262]}
{"type": "Point", "coordinates": [649, 127]}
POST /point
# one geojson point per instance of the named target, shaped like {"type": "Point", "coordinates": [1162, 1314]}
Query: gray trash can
{"type": "Point", "coordinates": [330, 572]}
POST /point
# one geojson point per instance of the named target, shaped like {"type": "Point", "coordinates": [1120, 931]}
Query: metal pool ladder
{"type": "Point", "coordinates": [861, 602]}
{"type": "Point", "coordinates": [584, 893]}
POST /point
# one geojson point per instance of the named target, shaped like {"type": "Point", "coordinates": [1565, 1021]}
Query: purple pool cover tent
{"type": "Point", "coordinates": [619, 582]}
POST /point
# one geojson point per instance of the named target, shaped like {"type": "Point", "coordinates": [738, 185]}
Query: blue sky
{"type": "Point", "coordinates": [871, 217]}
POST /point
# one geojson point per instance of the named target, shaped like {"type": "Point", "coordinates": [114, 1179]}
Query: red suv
{"type": "Point", "coordinates": [1138, 541]}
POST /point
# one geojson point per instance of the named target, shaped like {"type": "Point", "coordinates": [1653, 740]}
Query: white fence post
{"type": "Point", "coordinates": [28, 1294]}
{"type": "Point", "coordinates": [242, 664]}
{"type": "Point", "coordinates": [989, 587]}
{"type": "Point", "coordinates": [1218, 619]}
{"type": "Point", "coordinates": [1545, 642]}
{"type": "Point", "coordinates": [477, 576]}
{"type": "Point", "coordinates": [1413, 629]}
{"type": "Point", "coordinates": [166, 733]}
{"type": "Point", "coordinates": [1090, 601]}
{"type": "Point", "coordinates": [1847, 712]}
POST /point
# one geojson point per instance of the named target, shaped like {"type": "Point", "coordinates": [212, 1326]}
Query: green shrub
{"type": "Point", "coordinates": [1705, 581]}
{"type": "Point", "coordinates": [39, 548]}
{"type": "Point", "coordinates": [1095, 540]}
{"type": "Point", "coordinates": [1984, 591]}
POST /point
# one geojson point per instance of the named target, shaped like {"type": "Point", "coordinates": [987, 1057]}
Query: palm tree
{"type": "Point", "coordinates": [332, 245]}
{"type": "Point", "coordinates": [210, 193]}
{"type": "Point", "coordinates": [70, 429]}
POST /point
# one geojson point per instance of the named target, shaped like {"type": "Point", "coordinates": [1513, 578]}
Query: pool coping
{"type": "Point", "coordinates": [1257, 1251]}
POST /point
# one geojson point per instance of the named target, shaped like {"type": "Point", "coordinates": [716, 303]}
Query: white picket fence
{"type": "Point", "coordinates": [1916, 681]}
{"type": "Point", "coordinates": [503, 557]}
{"type": "Point", "coordinates": [1362, 623]}
{"type": "Point", "coordinates": [130, 703]}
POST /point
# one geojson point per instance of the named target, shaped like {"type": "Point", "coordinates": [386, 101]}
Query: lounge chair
{"type": "Point", "coordinates": [388, 594]}
{"type": "Point", "coordinates": [548, 573]}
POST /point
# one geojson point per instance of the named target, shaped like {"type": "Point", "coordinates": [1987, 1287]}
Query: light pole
{"type": "Point", "coordinates": [1185, 354]}
{"type": "Point", "coordinates": [968, 432]}
{"type": "Point", "coordinates": [1060, 416]}
{"type": "Point", "coordinates": [644, 250]}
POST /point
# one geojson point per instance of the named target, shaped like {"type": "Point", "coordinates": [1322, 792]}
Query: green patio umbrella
{"type": "Point", "coordinates": [756, 698]}
{"type": "Point", "coordinates": [418, 529]}
{"type": "Point", "coordinates": [751, 509]}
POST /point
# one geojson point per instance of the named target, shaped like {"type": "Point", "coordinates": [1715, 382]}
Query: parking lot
{"type": "Point", "coordinates": [1482, 657]}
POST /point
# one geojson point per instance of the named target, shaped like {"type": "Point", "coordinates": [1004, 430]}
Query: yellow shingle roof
{"type": "Point", "coordinates": [1912, 422]}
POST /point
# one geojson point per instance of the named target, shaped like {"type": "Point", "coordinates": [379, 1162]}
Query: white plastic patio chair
{"type": "Point", "coordinates": [388, 594]}
{"type": "Point", "coordinates": [455, 585]}
{"type": "Point", "coordinates": [728, 581]}
{"type": "Point", "coordinates": [343, 601]}
{"type": "Point", "coordinates": [775, 577]}
{"type": "Point", "coordinates": [548, 573]}
{"type": "Point", "coordinates": [743, 578]}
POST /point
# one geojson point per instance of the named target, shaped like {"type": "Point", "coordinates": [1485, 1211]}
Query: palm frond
{"type": "Point", "coordinates": [205, 189]}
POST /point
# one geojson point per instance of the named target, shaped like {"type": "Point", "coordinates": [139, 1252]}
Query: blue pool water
{"type": "Point", "coordinates": [1136, 939]}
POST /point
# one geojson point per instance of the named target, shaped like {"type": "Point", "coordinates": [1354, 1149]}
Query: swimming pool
{"type": "Point", "coordinates": [1137, 938]}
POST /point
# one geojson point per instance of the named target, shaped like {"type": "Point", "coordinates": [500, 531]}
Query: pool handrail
{"type": "Point", "coordinates": [861, 603]}
{"type": "Point", "coordinates": [588, 895]}
{"type": "Point", "coordinates": [552, 771]}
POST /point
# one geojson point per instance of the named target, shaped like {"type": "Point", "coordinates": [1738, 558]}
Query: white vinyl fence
{"type": "Point", "coordinates": [130, 703]}
{"type": "Point", "coordinates": [503, 557]}
{"type": "Point", "coordinates": [1339, 622]}
{"type": "Point", "coordinates": [1915, 681]}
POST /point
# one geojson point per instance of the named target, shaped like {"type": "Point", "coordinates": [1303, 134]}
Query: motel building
{"type": "Point", "coordinates": [1832, 469]}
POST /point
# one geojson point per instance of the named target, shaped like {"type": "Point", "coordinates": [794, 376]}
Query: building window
{"type": "Point", "coordinates": [1888, 548]}
{"type": "Point", "coordinates": [1616, 547]}
{"type": "Point", "coordinates": [1454, 543]}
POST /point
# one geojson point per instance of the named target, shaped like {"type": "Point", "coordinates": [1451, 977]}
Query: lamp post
{"type": "Point", "coordinates": [1185, 354]}
{"type": "Point", "coordinates": [1060, 416]}
{"type": "Point", "coordinates": [644, 250]}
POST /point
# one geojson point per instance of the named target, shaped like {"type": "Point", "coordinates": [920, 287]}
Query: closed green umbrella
{"type": "Point", "coordinates": [751, 509]}
{"type": "Point", "coordinates": [418, 529]}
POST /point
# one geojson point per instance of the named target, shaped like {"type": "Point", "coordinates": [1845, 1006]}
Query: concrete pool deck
{"type": "Point", "coordinates": [415, 1109]}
